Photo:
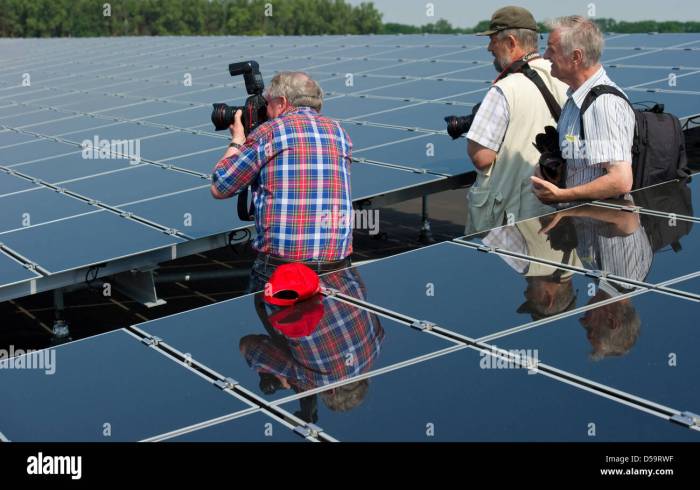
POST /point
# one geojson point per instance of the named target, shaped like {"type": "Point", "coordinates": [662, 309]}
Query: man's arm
{"type": "Point", "coordinates": [617, 181]}
{"type": "Point", "coordinates": [488, 129]}
{"type": "Point", "coordinates": [238, 167]}
{"type": "Point", "coordinates": [481, 156]}
{"type": "Point", "coordinates": [609, 124]}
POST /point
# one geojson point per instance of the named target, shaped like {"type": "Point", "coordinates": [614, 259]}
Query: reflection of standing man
{"type": "Point", "coordinates": [612, 241]}
{"type": "Point", "coordinates": [512, 113]}
{"type": "Point", "coordinates": [549, 291]}
{"type": "Point", "coordinates": [344, 344]}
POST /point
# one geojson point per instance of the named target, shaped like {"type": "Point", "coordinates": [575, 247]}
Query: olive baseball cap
{"type": "Point", "coordinates": [510, 17]}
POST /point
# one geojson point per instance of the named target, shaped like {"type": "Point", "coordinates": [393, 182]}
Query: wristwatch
{"type": "Point", "coordinates": [235, 145]}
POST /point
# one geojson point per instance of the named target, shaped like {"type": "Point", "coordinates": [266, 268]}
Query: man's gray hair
{"type": "Point", "coordinates": [298, 87]}
{"type": "Point", "coordinates": [618, 341]}
{"type": "Point", "coordinates": [577, 32]}
{"type": "Point", "coordinates": [526, 38]}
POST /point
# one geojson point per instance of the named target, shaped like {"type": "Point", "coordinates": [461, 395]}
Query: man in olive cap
{"type": "Point", "coordinates": [513, 112]}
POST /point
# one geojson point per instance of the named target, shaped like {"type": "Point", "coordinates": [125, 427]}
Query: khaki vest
{"type": "Point", "coordinates": [538, 246]}
{"type": "Point", "coordinates": [505, 189]}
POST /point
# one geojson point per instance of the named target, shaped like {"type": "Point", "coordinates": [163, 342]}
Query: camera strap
{"type": "Point", "coordinates": [246, 212]}
{"type": "Point", "coordinates": [522, 66]}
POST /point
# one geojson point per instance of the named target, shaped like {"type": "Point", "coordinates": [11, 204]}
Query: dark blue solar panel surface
{"type": "Point", "coordinates": [428, 89]}
{"type": "Point", "coordinates": [11, 183]}
{"type": "Point", "coordinates": [8, 138]}
{"type": "Point", "coordinates": [12, 271]}
{"type": "Point", "coordinates": [69, 125]}
{"type": "Point", "coordinates": [598, 237]}
{"type": "Point", "coordinates": [370, 180]}
{"type": "Point", "coordinates": [30, 208]}
{"type": "Point", "coordinates": [109, 379]}
{"type": "Point", "coordinates": [192, 212]}
{"type": "Point", "coordinates": [455, 399]}
{"type": "Point", "coordinates": [255, 427]}
{"type": "Point", "coordinates": [85, 240]}
{"type": "Point", "coordinates": [35, 150]}
{"type": "Point", "coordinates": [69, 167]}
{"type": "Point", "coordinates": [433, 152]}
{"type": "Point", "coordinates": [644, 345]}
{"type": "Point", "coordinates": [133, 184]}
{"type": "Point", "coordinates": [471, 293]}
{"type": "Point", "coordinates": [230, 338]}
{"type": "Point", "coordinates": [416, 115]}
{"type": "Point", "coordinates": [466, 291]}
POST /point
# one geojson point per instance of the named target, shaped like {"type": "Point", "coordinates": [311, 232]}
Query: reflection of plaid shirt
{"type": "Point", "coordinates": [303, 204]}
{"type": "Point", "coordinates": [345, 343]}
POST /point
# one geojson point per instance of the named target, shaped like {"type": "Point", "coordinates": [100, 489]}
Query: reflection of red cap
{"type": "Point", "coordinates": [291, 283]}
{"type": "Point", "coordinates": [299, 320]}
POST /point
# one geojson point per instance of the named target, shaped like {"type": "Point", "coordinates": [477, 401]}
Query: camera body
{"type": "Point", "coordinates": [459, 125]}
{"type": "Point", "coordinates": [255, 108]}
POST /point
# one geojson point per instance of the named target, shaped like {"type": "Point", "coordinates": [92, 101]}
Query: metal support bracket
{"type": "Point", "coordinates": [423, 325]}
{"type": "Point", "coordinates": [151, 341]}
{"type": "Point", "coordinates": [687, 419]}
{"type": "Point", "coordinates": [224, 384]}
{"type": "Point", "coordinates": [308, 430]}
{"type": "Point", "coordinates": [139, 286]}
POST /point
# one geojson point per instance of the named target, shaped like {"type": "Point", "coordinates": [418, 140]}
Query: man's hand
{"type": "Point", "coordinates": [237, 132]}
{"type": "Point", "coordinates": [547, 192]}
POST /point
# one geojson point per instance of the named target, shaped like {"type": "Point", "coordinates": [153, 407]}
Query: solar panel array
{"type": "Point", "coordinates": [442, 343]}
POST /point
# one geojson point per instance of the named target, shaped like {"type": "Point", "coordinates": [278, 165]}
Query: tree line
{"type": "Point", "coordinates": [90, 18]}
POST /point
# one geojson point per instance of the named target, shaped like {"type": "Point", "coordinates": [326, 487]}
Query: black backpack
{"type": "Point", "coordinates": [673, 197]}
{"type": "Point", "coordinates": [658, 148]}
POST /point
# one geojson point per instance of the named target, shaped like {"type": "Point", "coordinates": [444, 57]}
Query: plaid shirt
{"type": "Point", "coordinates": [345, 343]}
{"type": "Point", "coordinates": [298, 165]}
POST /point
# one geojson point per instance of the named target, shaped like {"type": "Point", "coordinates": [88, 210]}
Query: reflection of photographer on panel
{"type": "Point", "coordinates": [315, 343]}
{"type": "Point", "coordinates": [615, 242]}
{"type": "Point", "coordinates": [524, 98]}
{"type": "Point", "coordinates": [297, 164]}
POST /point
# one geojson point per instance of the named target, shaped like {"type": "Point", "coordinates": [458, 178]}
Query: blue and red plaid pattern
{"type": "Point", "coordinates": [299, 168]}
{"type": "Point", "coordinates": [344, 345]}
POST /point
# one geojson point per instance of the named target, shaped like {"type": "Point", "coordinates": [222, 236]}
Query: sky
{"type": "Point", "coordinates": [466, 13]}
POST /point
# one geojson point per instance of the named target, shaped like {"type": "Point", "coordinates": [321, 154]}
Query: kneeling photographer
{"type": "Point", "coordinates": [297, 164]}
{"type": "Point", "coordinates": [523, 99]}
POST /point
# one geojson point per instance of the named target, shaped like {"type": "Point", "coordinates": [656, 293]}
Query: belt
{"type": "Point", "coordinates": [318, 266]}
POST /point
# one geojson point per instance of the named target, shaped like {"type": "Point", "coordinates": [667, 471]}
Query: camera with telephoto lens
{"type": "Point", "coordinates": [459, 125]}
{"type": "Point", "coordinates": [255, 108]}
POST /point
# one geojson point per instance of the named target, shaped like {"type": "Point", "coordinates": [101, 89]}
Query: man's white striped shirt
{"type": "Point", "coordinates": [609, 130]}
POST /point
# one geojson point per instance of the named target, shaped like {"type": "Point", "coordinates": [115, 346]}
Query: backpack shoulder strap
{"type": "Point", "coordinates": [594, 93]}
{"type": "Point", "coordinates": [552, 104]}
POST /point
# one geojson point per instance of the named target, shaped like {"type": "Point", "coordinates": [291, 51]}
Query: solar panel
{"type": "Point", "coordinates": [91, 391]}
{"type": "Point", "coordinates": [648, 350]}
{"type": "Point", "coordinates": [85, 240]}
{"type": "Point", "coordinates": [69, 167]}
{"type": "Point", "coordinates": [10, 184]}
{"type": "Point", "coordinates": [651, 40]}
{"type": "Point", "coordinates": [118, 187]}
{"type": "Point", "coordinates": [433, 152]}
{"type": "Point", "coordinates": [237, 340]}
{"type": "Point", "coordinates": [468, 292]}
{"type": "Point", "coordinates": [428, 318]}
{"type": "Point", "coordinates": [255, 427]}
{"type": "Point", "coordinates": [24, 209]}
{"type": "Point", "coordinates": [600, 234]}
{"type": "Point", "coordinates": [13, 271]}
{"type": "Point", "coordinates": [453, 398]}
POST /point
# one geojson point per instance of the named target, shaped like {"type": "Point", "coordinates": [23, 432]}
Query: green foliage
{"type": "Point", "coordinates": [81, 18]}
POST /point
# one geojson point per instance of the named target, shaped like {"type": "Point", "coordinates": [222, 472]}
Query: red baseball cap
{"type": "Point", "coordinates": [299, 320]}
{"type": "Point", "coordinates": [291, 283]}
